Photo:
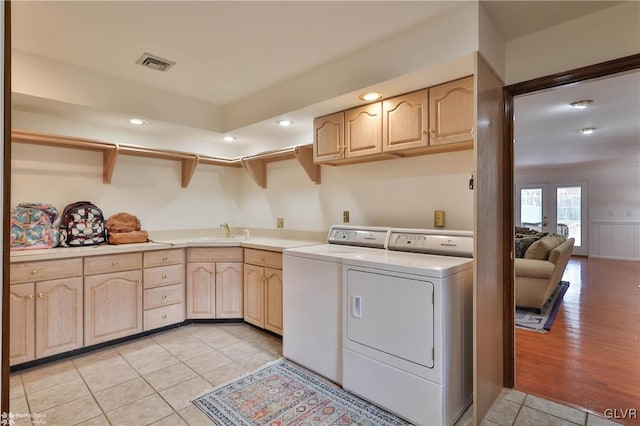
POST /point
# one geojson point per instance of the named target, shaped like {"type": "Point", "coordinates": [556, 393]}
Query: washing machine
{"type": "Point", "coordinates": [407, 342]}
{"type": "Point", "coordinates": [312, 296]}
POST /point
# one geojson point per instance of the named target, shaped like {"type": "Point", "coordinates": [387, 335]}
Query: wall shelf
{"type": "Point", "coordinates": [255, 165]}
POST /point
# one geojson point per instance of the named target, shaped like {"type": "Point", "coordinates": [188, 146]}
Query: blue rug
{"type": "Point", "coordinates": [541, 322]}
{"type": "Point", "coordinates": [284, 394]}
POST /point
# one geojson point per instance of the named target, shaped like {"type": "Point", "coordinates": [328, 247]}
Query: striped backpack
{"type": "Point", "coordinates": [34, 226]}
{"type": "Point", "coordinates": [82, 224]}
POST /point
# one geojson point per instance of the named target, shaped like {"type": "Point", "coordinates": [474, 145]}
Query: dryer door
{"type": "Point", "coordinates": [391, 313]}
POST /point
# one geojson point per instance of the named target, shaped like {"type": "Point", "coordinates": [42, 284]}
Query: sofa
{"type": "Point", "coordinates": [539, 272]}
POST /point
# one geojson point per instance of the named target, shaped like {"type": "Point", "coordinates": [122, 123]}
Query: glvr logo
{"type": "Point", "coordinates": [621, 413]}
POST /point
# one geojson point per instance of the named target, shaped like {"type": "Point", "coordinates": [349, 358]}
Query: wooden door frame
{"type": "Point", "coordinates": [602, 69]}
{"type": "Point", "coordinates": [6, 206]}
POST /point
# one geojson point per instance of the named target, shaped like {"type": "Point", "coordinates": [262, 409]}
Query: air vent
{"type": "Point", "coordinates": [154, 62]}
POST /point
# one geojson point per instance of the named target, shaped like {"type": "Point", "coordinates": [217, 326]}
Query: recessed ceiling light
{"type": "Point", "coordinates": [581, 104]}
{"type": "Point", "coordinates": [587, 131]}
{"type": "Point", "coordinates": [138, 121]}
{"type": "Point", "coordinates": [371, 96]}
{"type": "Point", "coordinates": [284, 123]}
{"type": "Point", "coordinates": [229, 139]}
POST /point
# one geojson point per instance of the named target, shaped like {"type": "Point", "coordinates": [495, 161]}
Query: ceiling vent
{"type": "Point", "coordinates": [154, 62]}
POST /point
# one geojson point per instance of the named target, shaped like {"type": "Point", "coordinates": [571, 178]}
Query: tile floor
{"type": "Point", "coordinates": [152, 380]}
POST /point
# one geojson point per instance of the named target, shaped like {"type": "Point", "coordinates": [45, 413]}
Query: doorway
{"type": "Point", "coordinates": [566, 188]}
{"type": "Point", "coordinates": [555, 208]}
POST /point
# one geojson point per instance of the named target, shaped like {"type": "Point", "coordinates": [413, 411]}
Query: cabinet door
{"type": "Point", "coordinates": [363, 130]}
{"type": "Point", "coordinates": [201, 290]}
{"type": "Point", "coordinates": [254, 295]}
{"type": "Point", "coordinates": [451, 112]}
{"type": "Point", "coordinates": [328, 137]}
{"type": "Point", "coordinates": [21, 310]}
{"type": "Point", "coordinates": [273, 300]}
{"type": "Point", "coordinates": [229, 299]}
{"type": "Point", "coordinates": [58, 316]}
{"type": "Point", "coordinates": [112, 306]}
{"type": "Point", "coordinates": [405, 121]}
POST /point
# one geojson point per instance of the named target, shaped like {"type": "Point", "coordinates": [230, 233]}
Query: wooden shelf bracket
{"type": "Point", "coordinates": [257, 169]}
{"type": "Point", "coordinates": [188, 169]}
{"type": "Point", "coordinates": [109, 158]}
{"type": "Point", "coordinates": [304, 155]}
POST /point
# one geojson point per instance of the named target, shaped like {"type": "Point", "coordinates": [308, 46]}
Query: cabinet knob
{"type": "Point", "coordinates": [164, 258]}
{"type": "Point", "coordinates": [164, 277]}
{"type": "Point", "coordinates": [40, 295]}
{"type": "Point", "coordinates": [30, 296]}
{"type": "Point", "coordinates": [34, 272]}
{"type": "Point", "coordinates": [114, 263]}
{"type": "Point", "coordinates": [164, 316]}
{"type": "Point", "coordinates": [432, 131]}
{"type": "Point", "coordinates": [164, 297]}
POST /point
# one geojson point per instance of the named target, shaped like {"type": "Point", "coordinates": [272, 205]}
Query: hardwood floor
{"type": "Point", "coordinates": [591, 356]}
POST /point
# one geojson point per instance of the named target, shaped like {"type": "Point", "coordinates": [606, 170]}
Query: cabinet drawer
{"type": "Point", "coordinates": [271, 259]}
{"type": "Point", "coordinates": [166, 315]}
{"type": "Point", "coordinates": [45, 270]}
{"type": "Point", "coordinates": [212, 255]}
{"type": "Point", "coordinates": [163, 258]}
{"type": "Point", "coordinates": [162, 296]}
{"type": "Point", "coordinates": [166, 275]}
{"type": "Point", "coordinates": [113, 263]}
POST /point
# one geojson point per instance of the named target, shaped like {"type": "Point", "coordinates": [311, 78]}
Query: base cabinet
{"type": "Point", "coordinates": [46, 309]}
{"type": "Point", "coordinates": [214, 283]}
{"type": "Point", "coordinates": [263, 289]}
{"type": "Point", "coordinates": [113, 306]}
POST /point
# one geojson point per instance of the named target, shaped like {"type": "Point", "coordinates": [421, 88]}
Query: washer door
{"type": "Point", "coordinates": [390, 313]}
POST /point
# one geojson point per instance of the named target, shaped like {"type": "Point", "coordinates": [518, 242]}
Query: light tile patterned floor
{"type": "Point", "coordinates": [152, 380]}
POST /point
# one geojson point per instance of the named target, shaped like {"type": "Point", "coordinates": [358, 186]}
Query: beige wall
{"type": "Point", "coordinates": [609, 34]}
{"type": "Point", "coordinates": [399, 192]}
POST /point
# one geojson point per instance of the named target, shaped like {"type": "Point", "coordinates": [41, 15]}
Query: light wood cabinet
{"type": "Point", "coordinates": [112, 306]}
{"type": "Point", "coordinates": [328, 138]}
{"type": "Point", "coordinates": [164, 288]}
{"type": "Point", "coordinates": [214, 283]}
{"type": "Point", "coordinates": [59, 316]}
{"type": "Point", "coordinates": [363, 130]}
{"type": "Point", "coordinates": [112, 263]}
{"type": "Point", "coordinates": [201, 290]}
{"type": "Point", "coordinates": [405, 122]}
{"type": "Point", "coordinates": [263, 289]}
{"type": "Point", "coordinates": [254, 295]}
{"type": "Point", "coordinates": [451, 112]}
{"type": "Point", "coordinates": [273, 300]}
{"type": "Point", "coordinates": [46, 313]}
{"type": "Point", "coordinates": [22, 323]}
{"type": "Point", "coordinates": [229, 299]}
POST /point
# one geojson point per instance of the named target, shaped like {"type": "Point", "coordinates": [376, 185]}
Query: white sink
{"type": "Point", "coordinates": [231, 238]}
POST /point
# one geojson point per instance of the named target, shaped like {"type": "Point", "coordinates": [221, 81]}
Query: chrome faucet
{"type": "Point", "coordinates": [227, 232]}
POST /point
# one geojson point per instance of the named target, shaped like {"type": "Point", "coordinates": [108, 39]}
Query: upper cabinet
{"type": "Point", "coordinates": [451, 118]}
{"type": "Point", "coordinates": [363, 130]}
{"type": "Point", "coordinates": [436, 119]}
{"type": "Point", "coordinates": [328, 138]}
{"type": "Point", "coordinates": [405, 123]}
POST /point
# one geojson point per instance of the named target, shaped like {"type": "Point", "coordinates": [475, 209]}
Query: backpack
{"type": "Point", "coordinates": [82, 224]}
{"type": "Point", "coordinates": [124, 228]}
{"type": "Point", "coordinates": [32, 226]}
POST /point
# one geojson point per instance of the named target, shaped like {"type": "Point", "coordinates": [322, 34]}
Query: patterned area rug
{"type": "Point", "coordinates": [282, 393]}
{"type": "Point", "coordinates": [542, 322]}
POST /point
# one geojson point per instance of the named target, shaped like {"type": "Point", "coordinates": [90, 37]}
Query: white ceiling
{"type": "Point", "coordinates": [226, 51]}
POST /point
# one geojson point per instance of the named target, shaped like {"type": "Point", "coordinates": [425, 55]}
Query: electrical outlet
{"type": "Point", "coordinates": [280, 222]}
{"type": "Point", "coordinates": [345, 216]}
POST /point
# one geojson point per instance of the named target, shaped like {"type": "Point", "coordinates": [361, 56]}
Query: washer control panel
{"type": "Point", "coordinates": [362, 237]}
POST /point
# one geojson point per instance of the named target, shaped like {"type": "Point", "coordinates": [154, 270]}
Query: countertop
{"type": "Point", "coordinates": [257, 242]}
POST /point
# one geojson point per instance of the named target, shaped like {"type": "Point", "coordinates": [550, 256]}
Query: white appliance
{"type": "Point", "coordinates": [312, 297]}
{"type": "Point", "coordinates": [407, 329]}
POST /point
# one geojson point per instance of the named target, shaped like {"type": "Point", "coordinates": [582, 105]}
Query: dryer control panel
{"type": "Point", "coordinates": [456, 243]}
